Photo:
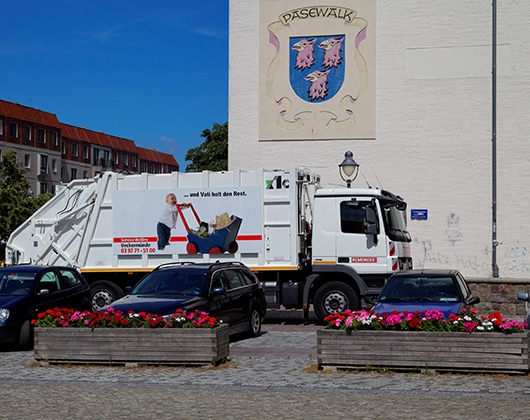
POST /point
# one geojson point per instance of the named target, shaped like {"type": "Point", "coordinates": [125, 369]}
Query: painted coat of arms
{"type": "Point", "coordinates": [317, 79]}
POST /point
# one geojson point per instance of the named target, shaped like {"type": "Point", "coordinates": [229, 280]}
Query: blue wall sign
{"type": "Point", "coordinates": [419, 214]}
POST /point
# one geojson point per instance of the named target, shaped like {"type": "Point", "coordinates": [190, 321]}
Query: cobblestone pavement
{"type": "Point", "coordinates": [269, 377]}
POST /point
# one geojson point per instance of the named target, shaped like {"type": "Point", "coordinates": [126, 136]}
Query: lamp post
{"type": "Point", "coordinates": [494, 243]}
{"type": "Point", "coordinates": [349, 168]}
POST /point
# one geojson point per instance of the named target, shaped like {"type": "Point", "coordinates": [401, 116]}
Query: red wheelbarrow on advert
{"type": "Point", "coordinates": [222, 239]}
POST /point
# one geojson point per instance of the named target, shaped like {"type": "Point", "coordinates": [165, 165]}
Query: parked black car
{"type": "Point", "coordinates": [227, 291]}
{"type": "Point", "coordinates": [27, 290]}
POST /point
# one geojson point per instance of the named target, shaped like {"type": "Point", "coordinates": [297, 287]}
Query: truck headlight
{"type": "Point", "coordinates": [4, 314]}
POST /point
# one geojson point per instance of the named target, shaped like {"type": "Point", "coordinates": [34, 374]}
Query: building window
{"type": "Point", "coordinates": [152, 169]}
{"type": "Point", "coordinates": [144, 167]}
{"type": "Point", "coordinates": [106, 158]}
{"type": "Point", "coordinates": [42, 136]}
{"type": "Point", "coordinates": [27, 161]}
{"type": "Point", "coordinates": [27, 133]}
{"type": "Point", "coordinates": [54, 166]}
{"type": "Point", "coordinates": [53, 189]}
{"type": "Point", "coordinates": [95, 155]}
{"type": "Point", "coordinates": [125, 159]}
{"type": "Point", "coordinates": [85, 152]}
{"type": "Point", "coordinates": [74, 149]}
{"type": "Point", "coordinates": [133, 161]}
{"type": "Point", "coordinates": [85, 174]}
{"type": "Point", "coordinates": [55, 138]}
{"type": "Point", "coordinates": [62, 173]}
{"type": "Point", "coordinates": [1, 127]}
{"type": "Point", "coordinates": [73, 173]}
{"type": "Point", "coordinates": [43, 187]}
{"type": "Point", "coordinates": [116, 158]}
{"type": "Point", "coordinates": [63, 147]}
{"type": "Point", "coordinates": [43, 164]}
{"type": "Point", "coordinates": [13, 130]}
{"type": "Point", "coordinates": [157, 169]}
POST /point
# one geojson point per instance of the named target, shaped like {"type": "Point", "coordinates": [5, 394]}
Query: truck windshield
{"type": "Point", "coordinates": [396, 224]}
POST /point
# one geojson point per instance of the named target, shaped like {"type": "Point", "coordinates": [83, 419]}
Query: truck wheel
{"type": "Point", "coordinates": [104, 293]}
{"type": "Point", "coordinates": [254, 323]}
{"type": "Point", "coordinates": [334, 297]}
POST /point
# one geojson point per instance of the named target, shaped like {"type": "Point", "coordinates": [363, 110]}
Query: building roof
{"type": "Point", "coordinates": [24, 113]}
{"type": "Point", "coordinates": [102, 139]}
{"type": "Point", "coordinates": [155, 156]}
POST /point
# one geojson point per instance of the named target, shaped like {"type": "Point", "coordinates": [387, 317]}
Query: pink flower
{"type": "Point", "coordinates": [470, 326]}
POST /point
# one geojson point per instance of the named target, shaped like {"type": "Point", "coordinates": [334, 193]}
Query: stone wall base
{"type": "Point", "coordinates": [500, 295]}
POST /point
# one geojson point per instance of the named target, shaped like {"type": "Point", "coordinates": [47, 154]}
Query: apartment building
{"type": "Point", "coordinates": [53, 152]}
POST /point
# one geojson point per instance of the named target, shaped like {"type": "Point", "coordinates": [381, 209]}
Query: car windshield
{"type": "Point", "coordinates": [420, 289]}
{"type": "Point", "coordinates": [173, 282]}
{"type": "Point", "coordinates": [14, 283]}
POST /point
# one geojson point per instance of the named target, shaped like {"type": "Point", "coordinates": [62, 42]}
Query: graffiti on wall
{"type": "Point", "coordinates": [317, 68]}
{"type": "Point", "coordinates": [513, 261]}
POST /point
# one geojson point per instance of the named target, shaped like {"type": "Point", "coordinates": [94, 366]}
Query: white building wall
{"type": "Point", "coordinates": [433, 126]}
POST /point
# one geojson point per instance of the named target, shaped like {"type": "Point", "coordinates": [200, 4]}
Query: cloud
{"type": "Point", "coordinates": [103, 34]}
{"type": "Point", "coordinates": [210, 31]}
{"type": "Point", "coordinates": [168, 144]}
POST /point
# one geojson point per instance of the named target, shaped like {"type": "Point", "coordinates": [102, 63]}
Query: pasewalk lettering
{"type": "Point", "coordinates": [316, 13]}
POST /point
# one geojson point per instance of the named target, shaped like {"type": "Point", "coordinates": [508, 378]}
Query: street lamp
{"type": "Point", "coordinates": [349, 168]}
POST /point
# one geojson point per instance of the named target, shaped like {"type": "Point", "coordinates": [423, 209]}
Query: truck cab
{"type": "Point", "coordinates": [359, 239]}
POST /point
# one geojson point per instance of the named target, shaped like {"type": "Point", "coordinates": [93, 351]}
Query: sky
{"type": "Point", "coordinates": [155, 72]}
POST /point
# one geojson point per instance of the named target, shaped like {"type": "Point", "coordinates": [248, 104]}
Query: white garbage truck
{"type": "Point", "coordinates": [332, 248]}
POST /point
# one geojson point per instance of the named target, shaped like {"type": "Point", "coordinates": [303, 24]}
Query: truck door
{"type": "Point", "coordinates": [360, 242]}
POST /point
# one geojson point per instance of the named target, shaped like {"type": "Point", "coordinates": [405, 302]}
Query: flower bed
{"type": "Point", "coordinates": [424, 341]}
{"type": "Point", "coordinates": [112, 337]}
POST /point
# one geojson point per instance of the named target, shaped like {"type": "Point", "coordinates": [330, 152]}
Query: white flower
{"type": "Point", "coordinates": [480, 328]}
{"type": "Point", "coordinates": [467, 318]}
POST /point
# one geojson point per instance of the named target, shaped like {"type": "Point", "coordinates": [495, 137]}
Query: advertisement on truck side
{"type": "Point", "coordinates": [148, 221]}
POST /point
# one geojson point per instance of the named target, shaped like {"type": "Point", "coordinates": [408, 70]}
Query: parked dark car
{"type": "Point", "coordinates": [229, 292]}
{"type": "Point", "coordinates": [27, 290]}
{"type": "Point", "coordinates": [419, 290]}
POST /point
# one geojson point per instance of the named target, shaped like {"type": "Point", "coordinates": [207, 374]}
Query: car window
{"type": "Point", "coordinates": [219, 280]}
{"type": "Point", "coordinates": [16, 283]}
{"type": "Point", "coordinates": [410, 288]}
{"type": "Point", "coordinates": [233, 281]}
{"type": "Point", "coordinates": [68, 279]}
{"type": "Point", "coordinates": [463, 285]}
{"type": "Point", "coordinates": [247, 278]}
{"type": "Point", "coordinates": [50, 281]}
{"type": "Point", "coordinates": [178, 282]}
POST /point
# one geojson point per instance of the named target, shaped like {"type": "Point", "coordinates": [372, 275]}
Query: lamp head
{"type": "Point", "coordinates": [349, 168]}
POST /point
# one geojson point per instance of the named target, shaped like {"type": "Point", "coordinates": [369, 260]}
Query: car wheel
{"type": "Point", "coordinates": [254, 323]}
{"type": "Point", "coordinates": [334, 297]}
{"type": "Point", "coordinates": [104, 293]}
{"type": "Point", "coordinates": [24, 336]}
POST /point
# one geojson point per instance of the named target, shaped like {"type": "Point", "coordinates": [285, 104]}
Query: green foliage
{"type": "Point", "coordinates": [16, 202]}
{"type": "Point", "coordinates": [212, 154]}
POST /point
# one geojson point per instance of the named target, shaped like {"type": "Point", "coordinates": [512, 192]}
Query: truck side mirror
{"type": "Point", "coordinates": [370, 217]}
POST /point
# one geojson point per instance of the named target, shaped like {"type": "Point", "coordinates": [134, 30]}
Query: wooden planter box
{"type": "Point", "coordinates": [132, 346]}
{"type": "Point", "coordinates": [415, 350]}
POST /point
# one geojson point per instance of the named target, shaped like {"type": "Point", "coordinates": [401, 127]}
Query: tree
{"type": "Point", "coordinates": [16, 202]}
{"type": "Point", "coordinates": [212, 154]}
